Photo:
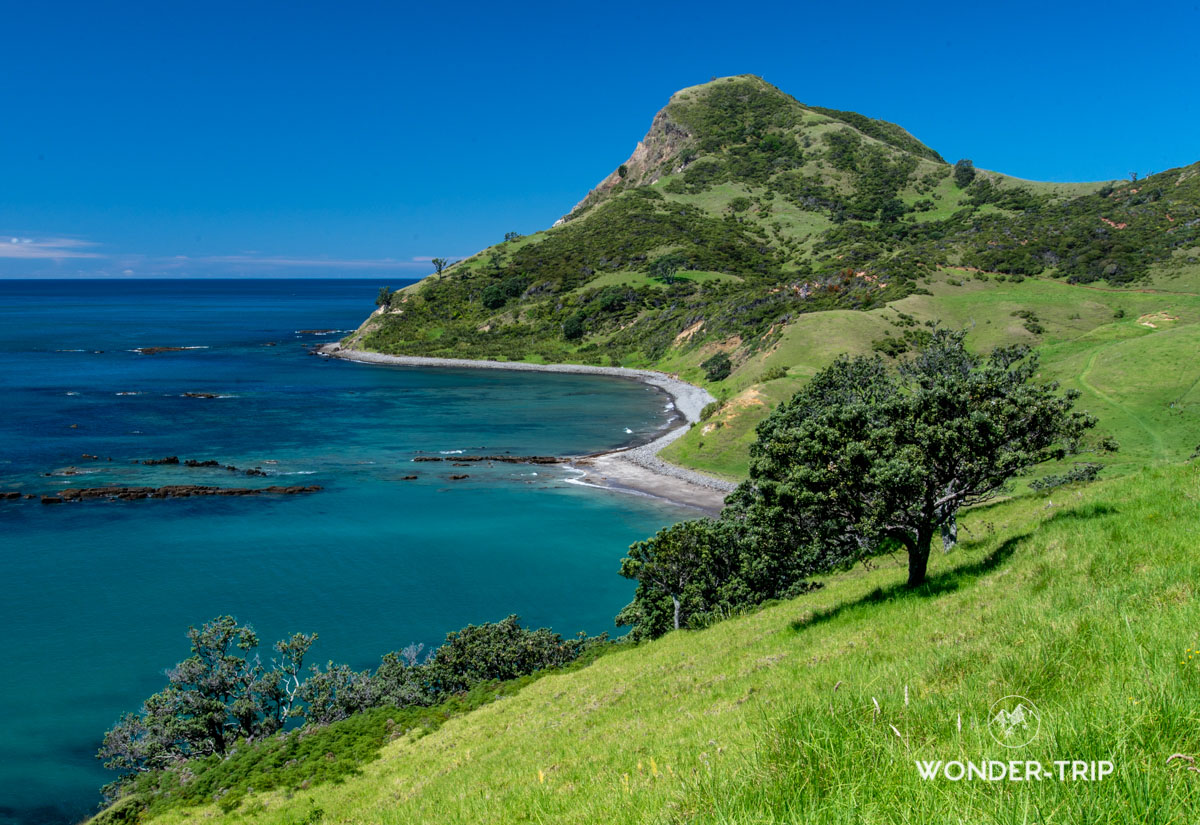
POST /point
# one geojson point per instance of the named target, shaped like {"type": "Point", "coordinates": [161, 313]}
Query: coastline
{"type": "Point", "coordinates": [632, 469]}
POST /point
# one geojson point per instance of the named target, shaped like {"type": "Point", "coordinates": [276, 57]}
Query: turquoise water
{"type": "Point", "coordinates": [95, 597]}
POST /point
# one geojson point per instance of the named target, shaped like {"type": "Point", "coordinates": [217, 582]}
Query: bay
{"type": "Point", "coordinates": [95, 597]}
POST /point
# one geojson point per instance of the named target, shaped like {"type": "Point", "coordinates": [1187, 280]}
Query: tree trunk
{"type": "Point", "coordinates": [676, 600]}
{"type": "Point", "coordinates": [949, 533]}
{"type": "Point", "coordinates": [918, 558]}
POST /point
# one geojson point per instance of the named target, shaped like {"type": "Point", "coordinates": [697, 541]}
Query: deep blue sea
{"type": "Point", "coordinates": [95, 597]}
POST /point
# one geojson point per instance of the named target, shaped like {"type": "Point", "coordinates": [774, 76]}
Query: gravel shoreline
{"type": "Point", "coordinates": [636, 468]}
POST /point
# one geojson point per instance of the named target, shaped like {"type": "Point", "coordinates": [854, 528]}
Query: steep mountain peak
{"type": "Point", "coordinates": [735, 117]}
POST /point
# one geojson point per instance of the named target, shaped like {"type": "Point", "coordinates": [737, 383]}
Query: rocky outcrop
{"type": "Point", "coordinates": [504, 459]}
{"type": "Point", "coordinates": [657, 154]}
{"type": "Point", "coordinates": [172, 491]}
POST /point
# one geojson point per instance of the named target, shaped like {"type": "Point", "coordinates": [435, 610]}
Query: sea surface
{"type": "Point", "coordinates": [95, 597]}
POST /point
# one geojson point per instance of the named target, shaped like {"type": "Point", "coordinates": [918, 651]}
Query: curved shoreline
{"type": "Point", "coordinates": [635, 468]}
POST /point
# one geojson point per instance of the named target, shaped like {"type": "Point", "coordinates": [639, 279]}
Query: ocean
{"type": "Point", "coordinates": [95, 597]}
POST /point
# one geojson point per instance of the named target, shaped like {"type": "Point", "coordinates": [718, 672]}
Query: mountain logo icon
{"type": "Point", "coordinates": [1014, 721]}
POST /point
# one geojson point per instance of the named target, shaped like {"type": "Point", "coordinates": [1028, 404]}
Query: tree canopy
{"type": "Point", "coordinates": [862, 457]}
{"type": "Point", "coordinates": [863, 460]}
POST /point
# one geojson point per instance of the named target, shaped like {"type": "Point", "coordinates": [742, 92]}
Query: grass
{"type": "Point", "coordinates": [1083, 601]}
{"type": "Point", "coordinates": [1142, 382]}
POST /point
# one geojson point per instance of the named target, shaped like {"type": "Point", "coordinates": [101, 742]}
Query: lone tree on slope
{"type": "Point", "coordinates": [860, 456]}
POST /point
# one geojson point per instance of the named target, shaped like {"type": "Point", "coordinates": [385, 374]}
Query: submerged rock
{"type": "Point", "coordinates": [157, 350]}
{"type": "Point", "coordinates": [172, 491]}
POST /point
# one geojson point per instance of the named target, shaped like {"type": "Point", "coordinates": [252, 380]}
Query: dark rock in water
{"type": "Point", "coordinates": [314, 331]}
{"type": "Point", "coordinates": [212, 462]}
{"type": "Point", "coordinates": [429, 458]}
{"type": "Point", "coordinates": [171, 491]}
{"type": "Point", "coordinates": [200, 395]}
{"type": "Point", "coordinates": [408, 478]}
{"type": "Point", "coordinates": [171, 459]}
{"type": "Point", "coordinates": [90, 457]}
{"type": "Point", "coordinates": [257, 471]}
{"type": "Point", "coordinates": [9, 495]}
{"type": "Point", "coordinates": [51, 500]}
{"type": "Point", "coordinates": [460, 464]}
{"type": "Point", "coordinates": [269, 344]}
{"type": "Point", "coordinates": [157, 350]}
{"type": "Point", "coordinates": [460, 477]}
{"type": "Point", "coordinates": [30, 495]}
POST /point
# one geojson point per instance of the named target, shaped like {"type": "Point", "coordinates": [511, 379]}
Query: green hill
{"type": "Point", "coordinates": [784, 234]}
{"type": "Point", "coordinates": [816, 710]}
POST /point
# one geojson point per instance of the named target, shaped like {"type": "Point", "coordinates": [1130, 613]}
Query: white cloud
{"type": "Point", "coordinates": [47, 248]}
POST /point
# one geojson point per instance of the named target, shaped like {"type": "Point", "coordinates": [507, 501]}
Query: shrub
{"type": "Point", "coordinates": [964, 173]}
{"type": "Point", "coordinates": [772, 374]}
{"type": "Point", "coordinates": [718, 367]}
{"type": "Point", "coordinates": [573, 328]}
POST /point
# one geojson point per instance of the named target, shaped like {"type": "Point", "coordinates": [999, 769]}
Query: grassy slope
{"type": "Point", "coordinates": [770, 717]}
{"type": "Point", "coordinates": [1142, 382]}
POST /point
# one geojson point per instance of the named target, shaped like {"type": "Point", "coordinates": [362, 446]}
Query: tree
{"type": "Point", "coordinates": [669, 561]}
{"type": "Point", "coordinates": [573, 327]}
{"type": "Point", "coordinates": [385, 298]}
{"type": "Point", "coordinates": [512, 236]}
{"type": "Point", "coordinates": [964, 173]}
{"type": "Point", "coordinates": [861, 460]}
{"type": "Point", "coordinates": [493, 296]}
{"type": "Point", "coordinates": [665, 267]}
{"type": "Point", "coordinates": [440, 264]}
{"type": "Point", "coordinates": [219, 694]}
{"type": "Point", "coordinates": [718, 367]}
{"type": "Point", "coordinates": [622, 171]}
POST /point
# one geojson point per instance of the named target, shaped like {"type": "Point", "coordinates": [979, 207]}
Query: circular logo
{"type": "Point", "coordinates": [1014, 721]}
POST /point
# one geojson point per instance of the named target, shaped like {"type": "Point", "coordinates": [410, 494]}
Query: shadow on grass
{"type": "Point", "coordinates": [936, 585]}
{"type": "Point", "coordinates": [950, 580]}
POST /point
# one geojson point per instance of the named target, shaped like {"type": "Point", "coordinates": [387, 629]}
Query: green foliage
{"type": "Point", "coordinates": [844, 146]}
{"type": "Point", "coordinates": [695, 571]}
{"type": "Point", "coordinates": [385, 297]}
{"type": "Point", "coordinates": [710, 409]}
{"type": "Point", "coordinates": [889, 346]}
{"type": "Point", "coordinates": [718, 367]}
{"type": "Point", "coordinates": [861, 459]}
{"type": "Point", "coordinates": [881, 130]}
{"type": "Point", "coordinates": [964, 173]}
{"type": "Point", "coordinates": [572, 328]}
{"type": "Point", "coordinates": [218, 695]}
{"type": "Point", "coordinates": [1078, 474]}
{"type": "Point", "coordinates": [772, 374]}
{"type": "Point", "coordinates": [218, 730]}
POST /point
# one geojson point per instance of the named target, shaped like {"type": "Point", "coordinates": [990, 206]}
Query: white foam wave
{"type": "Point", "coordinates": [450, 452]}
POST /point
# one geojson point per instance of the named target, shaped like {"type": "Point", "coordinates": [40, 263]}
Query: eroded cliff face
{"type": "Point", "coordinates": [658, 153]}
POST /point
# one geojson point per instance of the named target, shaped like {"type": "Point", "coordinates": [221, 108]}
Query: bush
{"type": "Point", "coordinates": [772, 374]}
{"type": "Point", "coordinates": [718, 367]}
{"type": "Point", "coordinates": [573, 328]}
{"type": "Point", "coordinates": [964, 173]}
{"type": "Point", "coordinates": [711, 409]}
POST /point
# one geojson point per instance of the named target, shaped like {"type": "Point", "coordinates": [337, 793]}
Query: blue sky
{"type": "Point", "coordinates": [361, 139]}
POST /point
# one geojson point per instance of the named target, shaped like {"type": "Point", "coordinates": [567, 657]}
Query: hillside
{"type": "Point", "coordinates": [748, 223]}
{"type": "Point", "coordinates": [815, 710]}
